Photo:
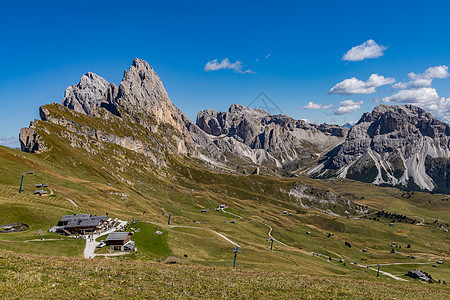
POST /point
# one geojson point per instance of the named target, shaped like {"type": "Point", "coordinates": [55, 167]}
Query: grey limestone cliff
{"type": "Point", "coordinates": [269, 139]}
{"type": "Point", "coordinates": [401, 145]}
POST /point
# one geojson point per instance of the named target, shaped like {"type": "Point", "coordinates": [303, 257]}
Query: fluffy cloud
{"type": "Point", "coordinates": [417, 95]}
{"type": "Point", "coordinates": [348, 106]}
{"type": "Point", "coordinates": [353, 86]}
{"type": "Point", "coordinates": [10, 141]}
{"type": "Point", "coordinates": [369, 49]}
{"type": "Point", "coordinates": [237, 66]}
{"type": "Point", "coordinates": [312, 105]}
{"type": "Point", "coordinates": [424, 79]}
{"type": "Point", "coordinates": [418, 91]}
{"type": "Point", "coordinates": [432, 73]}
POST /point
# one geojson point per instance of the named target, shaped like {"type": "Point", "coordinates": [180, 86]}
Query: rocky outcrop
{"type": "Point", "coordinates": [141, 94]}
{"type": "Point", "coordinates": [140, 104]}
{"type": "Point", "coordinates": [400, 145]}
{"type": "Point", "coordinates": [308, 196]}
{"type": "Point", "coordinates": [30, 140]}
{"type": "Point", "coordinates": [269, 139]}
{"type": "Point", "coordinates": [86, 94]}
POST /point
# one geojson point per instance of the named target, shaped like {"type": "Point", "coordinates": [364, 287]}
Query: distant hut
{"type": "Point", "coordinates": [416, 274]}
{"type": "Point", "coordinates": [41, 192]}
{"type": "Point", "coordinates": [117, 241]}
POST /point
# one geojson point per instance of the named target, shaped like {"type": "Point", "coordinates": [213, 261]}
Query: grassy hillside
{"type": "Point", "coordinates": [255, 203]}
{"type": "Point", "coordinates": [31, 277]}
{"type": "Point", "coordinates": [105, 177]}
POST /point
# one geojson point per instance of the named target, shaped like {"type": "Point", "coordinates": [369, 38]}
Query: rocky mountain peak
{"type": "Point", "coordinates": [141, 88]}
{"type": "Point", "coordinates": [391, 118]}
{"type": "Point", "coordinates": [393, 145]}
{"type": "Point", "coordinates": [140, 98]}
{"type": "Point", "coordinates": [242, 110]}
{"type": "Point", "coordinates": [268, 139]}
{"type": "Point", "coordinates": [86, 94]}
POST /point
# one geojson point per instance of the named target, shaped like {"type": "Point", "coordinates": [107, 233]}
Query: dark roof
{"type": "Point", "coordinates": [117, 236]}
{"type": "Point", "coordinates": [418, 274]}
{"type": "Point", "coordinates": [100, 218]}
{"type": "Point", "coordinates": [75, 217]}
{"type": "Point", "coordinates": [82, 223]}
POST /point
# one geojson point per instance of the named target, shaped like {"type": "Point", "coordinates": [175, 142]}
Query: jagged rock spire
{"type": "Point", "coordinates": [86, 94]}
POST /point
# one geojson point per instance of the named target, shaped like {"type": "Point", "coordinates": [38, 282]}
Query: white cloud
{"type": "Point", "coordinates": [417, 95]}
{"type": "Point", "coordinates": [10, 141]}
{"type": "Point", "coordinates": [353, 86]}
{"type": "Point", "coordinates": [267, 56]}
{"type": "Point", "coordinates": [312, 105]}
{"type": "Point", "coordinates": [348, 106]}
{"type": "Point", "coordinates": [237, 66]}
{"type": "Point", "coordinates": [424, 79]}
{"type": "Point", "coordinates": [418, 91]}
{"type": "Point", "coordinates": [438, 72]}
{"type": "Point", "coordinates": [369, 49]}
{"type": "Point", "coordinates": [401, 85]}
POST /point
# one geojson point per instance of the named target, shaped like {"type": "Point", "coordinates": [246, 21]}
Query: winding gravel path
{"type": "Point", "coordinates": [193, 227]}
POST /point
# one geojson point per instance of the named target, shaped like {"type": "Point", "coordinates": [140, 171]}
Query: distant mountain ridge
{"type": "Point", "coordinates": [401, 145]}
{"type": "Point", "coordinates": [393, 145]}
{"type": "Point", "coordinates": [265, 139]}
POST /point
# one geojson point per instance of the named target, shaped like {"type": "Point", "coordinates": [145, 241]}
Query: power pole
{"type": "Point", "coordinates": [271, 245]}
{"type": "Point", "coordinates": [378, 272]}
{"type": "Point", "coordinates": [21, 182]}
{"type": "Point", "coordinates": [168, 222]}
{"type": "Point", "coordinates": [235, 250]}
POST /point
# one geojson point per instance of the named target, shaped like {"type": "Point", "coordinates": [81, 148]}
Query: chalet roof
{"type": "Point", "coordinates": [117, 236]}
{"type": "Point", "coordinates": [418, 274]}
{"type": "Point", "coordinates": [75, 217]}
{"type": "Point", "coordinates": [82, 223]}
{"type": "Point", "coordinates": [100, 218]}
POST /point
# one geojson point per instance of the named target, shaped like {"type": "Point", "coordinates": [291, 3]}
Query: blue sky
{"type": "Point", "coordinates": [294, 52]}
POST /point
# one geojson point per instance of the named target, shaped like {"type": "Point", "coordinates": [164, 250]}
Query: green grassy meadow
{"type": "Point", "coordinates": [83, 182]}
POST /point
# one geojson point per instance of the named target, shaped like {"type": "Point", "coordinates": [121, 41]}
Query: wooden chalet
{"type": "Point", "coordinates": [118, 241]}
{"type": "Point", "coordinates": [81, 224]}
{"type": "Point", "coordinates": [41, 192]}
